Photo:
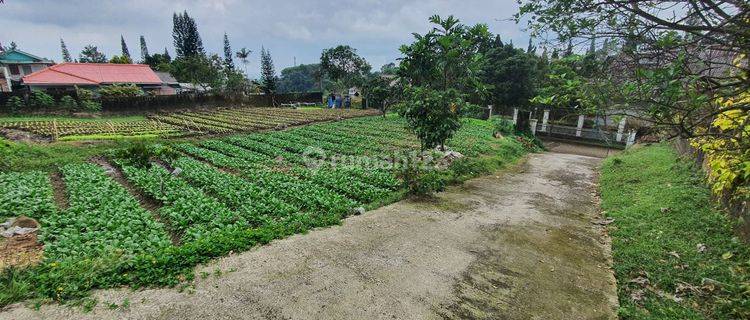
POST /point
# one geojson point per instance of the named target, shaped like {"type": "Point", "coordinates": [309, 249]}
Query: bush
{"type": "Point", "coordinates": [433, 115]}
{"type": "Point", "coordinates": [86, 100]}
{"type": "Point", "coordinates": [420, 182]}
{"type": "Point", "coordinates": [41, 100]}
{"type": "Point", "coordinates": [67, 103]}
{"type": "Point", "coordinates": [503, 126]}
{"type": "Point", "coordinates": [120, 90]}
{"type": "Point", "coordinates": [14, 104]}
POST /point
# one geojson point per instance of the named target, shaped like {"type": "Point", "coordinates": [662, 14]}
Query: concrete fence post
{"type": "Point", "coordinates": [515, 116]}
{"type": "Point", "coordinates": [532, 126]}
{"type": "Point", "coordinates": [489, 112]}
{"type": "Point", "coordinates": [621, 129]}
{"type": "Point", "coordinates": [545, 119]}
{"type": "Point", "coordinates": [579, 128]}
{"type": "Point", "coordinates": [631, 139]}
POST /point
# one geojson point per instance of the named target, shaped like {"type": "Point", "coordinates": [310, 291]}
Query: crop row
{"type": "Point", "coordinates": [102, 218]}
{"type": "Point", "coordinates": [26, 193]}
{"type": "Point", "coordinates": [189, 212]}
{"type": "Point", "coordinates": [70, 128]}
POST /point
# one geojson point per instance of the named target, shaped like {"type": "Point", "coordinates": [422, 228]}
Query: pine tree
{"type": "Point", "coordinates": [228, 62]}
{"type": "Point", "coordinates": [166, 54]}
{"type": "Point", "coordinates": [13, 45]}
{"type": "Point", "coordinates": [267, 72]}
{"type": "Point", "coordinates": [65, 53]}
{"type": "Point", "coordinates": [144, 49]}
{"type": "Point", "coordinates": [124, 46]}
{"type": "Point", "coordinates": [187, 40]}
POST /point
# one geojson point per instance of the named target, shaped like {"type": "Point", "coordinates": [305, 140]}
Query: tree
{"type": "Point", "coordinates": [159, 62]}
{"type": "Point", "coordinates": [682, 67]}
{"type": "Point", "coordinates": [65, 52]}
{"type": "Point", "coordinates": [199, 70]}
{"type": "Point", "coordinates": [120, 60]}
{"type": "Point", "coordinates": [187, 41]}
{"type": "Point", "coordinates": [267, 72]}
{"type": "Point", "coordinates": [432, 114]}
{"type": "Point", "coordinates": [13, 45]}
{"type": "Point", "coordinates": [510, 73]}
{"type": "Point", "coordinates": [144, 49]}
{"type": "Point", "coordinates": [228, 62]}
{"type": "Point", "coordinates": [90, 54]}
{"type": "Point", "coordinates": [389, 69]}
{"type": "Point", "coordinates": [342, 65]}
{"type": "Point", "coordinates": [301, 78]}
{"type": "Point", "coordinates": [441, 71]}
{"type": "Point", "coordinates": [243, 54]}
{"type": "Point", "coordinates": [124, 47]}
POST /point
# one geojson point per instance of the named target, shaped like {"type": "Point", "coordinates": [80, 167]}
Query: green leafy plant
{"type": "Point", "coordinates": [67, 103]}
{"type": "Point", "coordinates": [433, 115]}
{"type": "Point", "coordinates": [41, 100]}
{"type": "Point", "coordinates": [14, 104]}
{"type": "Point", "coordinates": [120, 91]}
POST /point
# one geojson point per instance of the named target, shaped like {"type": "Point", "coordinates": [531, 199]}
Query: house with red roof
{"type": "Point", "coordinates": [67, 76]}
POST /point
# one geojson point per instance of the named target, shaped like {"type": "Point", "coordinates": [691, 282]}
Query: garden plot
{"type": "Point", "coordinates": [229, 193]}
{"type": "Point", "coordinates": [223, 121]}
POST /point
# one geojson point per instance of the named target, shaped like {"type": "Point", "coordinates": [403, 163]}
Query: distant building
{"type": "Point", "coordinates": [66, 76]}
{"type": "Point", "coordinates": [169, 85]}
{"type": "Point", "coordinates": [15, 64]}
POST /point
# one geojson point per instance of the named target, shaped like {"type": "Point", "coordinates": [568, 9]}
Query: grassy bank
{"type": "Point", "coordinates": [675, 256]}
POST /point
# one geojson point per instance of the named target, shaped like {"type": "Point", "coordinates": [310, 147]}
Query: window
{"type": "Point", "coordinates": [14, 69]}
{"type": "Point", "coordinates": [26, 70]}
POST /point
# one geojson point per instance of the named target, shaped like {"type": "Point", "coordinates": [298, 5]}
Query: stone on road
{"type": "Point", "coordinates": [517, 245]}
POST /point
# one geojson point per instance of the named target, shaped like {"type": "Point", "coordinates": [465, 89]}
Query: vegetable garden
{"type": "Point", "coordinates": [214, 196]}
{"type": "Point", "coordinates": [180, 124]}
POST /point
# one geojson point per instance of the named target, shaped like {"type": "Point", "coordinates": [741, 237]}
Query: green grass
{"type": "Point", "coordinates": [23, 156]}
{"type": "Point", "coordinates": [663, 212]}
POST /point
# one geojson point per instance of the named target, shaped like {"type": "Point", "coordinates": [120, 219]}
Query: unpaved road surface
{"type": "Point", "coordinates": [519, 245]}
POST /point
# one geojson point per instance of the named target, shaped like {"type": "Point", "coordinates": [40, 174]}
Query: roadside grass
{"type": "Point", "coordinates": [675, 255]}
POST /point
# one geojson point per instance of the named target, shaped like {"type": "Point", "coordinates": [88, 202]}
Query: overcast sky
{"type": "Point", "coordinates": [289, 29]}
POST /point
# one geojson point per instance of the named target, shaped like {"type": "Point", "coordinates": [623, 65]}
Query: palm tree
{"type": "Point", "coordinates": [243, 54]}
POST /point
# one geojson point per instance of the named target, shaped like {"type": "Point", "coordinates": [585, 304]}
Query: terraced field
{"type": "Point", "coordinates": [120, 224]}
{"type": "Point", "coordinates": [224, 121]}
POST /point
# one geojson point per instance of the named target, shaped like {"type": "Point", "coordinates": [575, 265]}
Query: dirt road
{"type": "Point", "coordinates": [520, 245]}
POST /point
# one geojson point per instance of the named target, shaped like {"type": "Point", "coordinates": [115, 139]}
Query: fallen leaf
{"type": "Point", "coordinates": [727, 255]}
{"type": "Point", "coordinates": [700, 247]}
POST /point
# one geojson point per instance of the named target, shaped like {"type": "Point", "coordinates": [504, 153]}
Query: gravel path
{"type": "Point", "coordinates": [520, 245]}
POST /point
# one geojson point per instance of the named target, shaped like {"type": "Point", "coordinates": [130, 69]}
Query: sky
{"type": "Point", "coordinates": [288, 29]}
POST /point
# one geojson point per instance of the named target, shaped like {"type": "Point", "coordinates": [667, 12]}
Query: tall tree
{"type": "Point", "coordinates": [144, 48]}
{"type": "Point", "coordinates": [65, 53]}
{"type": "Point", "coordinates": [91, 54]}
{"type": "Point", "coordinates": [124, 47]}
{"type": "Point", "coordinates": [187, 40]}
{"type": "Point", "coordinates": [343, 65]}
{"type": "Point", "coordinates": [441, 69]}
{"type": "Point", "coordinates": [228, 62]}
{"type": "Point", "coordinates": [267, 72]}
{"type": "Point", "coordinates": [301, 78]}
{"type": "Point", "coordinates": [511, 74]}
{"type": "Point", "coordinates": [243, 55]}
{"type": "Point", "coordinates": [13, 45]}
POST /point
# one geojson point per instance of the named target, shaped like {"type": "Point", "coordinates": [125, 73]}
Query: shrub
{"type": "Point", "coordinates": [67, 103]}
{"type": "Point", "coordinates": [120, 91]}
{"type": "Point", "coordinates": [420, 182]}
{"type": "Point", "coordinates": [41, 100]}
{"type": "Point", "coordinates": [503, 126]}
{"type": "Point", "coordinates": [86, 100]}
{"type": "Point", "coordinates": [14, 104]}
{"type": "Point", "coordinates": [433, 115]}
